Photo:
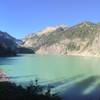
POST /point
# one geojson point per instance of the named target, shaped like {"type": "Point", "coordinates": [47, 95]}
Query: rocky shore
{"type": "Point", "coordinates": [3, 76]}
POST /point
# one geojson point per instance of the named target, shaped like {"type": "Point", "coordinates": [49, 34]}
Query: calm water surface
{"type": "Point", "coordinates": [65, 73]}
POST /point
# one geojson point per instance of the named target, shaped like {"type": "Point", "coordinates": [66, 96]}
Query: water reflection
{"type": "Point", "coordinates": [76, 90]}
{"type": "Point", "coordinates": [8, 60]}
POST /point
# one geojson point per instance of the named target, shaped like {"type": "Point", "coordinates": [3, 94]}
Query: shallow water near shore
{"type": "Point", "coordinates": [69, 75]}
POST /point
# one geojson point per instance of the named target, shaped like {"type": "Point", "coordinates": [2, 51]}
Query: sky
{"type": "Point", "coordinates": [21, 17]}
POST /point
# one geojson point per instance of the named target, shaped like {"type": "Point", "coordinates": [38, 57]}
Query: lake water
{"type": "Point", "coordinates": [78, 76]}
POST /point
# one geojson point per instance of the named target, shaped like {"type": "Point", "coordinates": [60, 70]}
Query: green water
{"type": "Point", "coordinates": [50, 67]}
{"type": "Point", "coordinates": [66, 70]}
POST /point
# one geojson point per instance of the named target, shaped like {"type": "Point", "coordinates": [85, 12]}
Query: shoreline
{"type": "Point", "coordinates": [3, 76]}
{"type": "Point", "coordinates": [69, 54]}
{"type": "Point", "coordinates": [80, 55]}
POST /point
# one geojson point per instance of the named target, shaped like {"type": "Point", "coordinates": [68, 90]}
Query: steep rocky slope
{"type": "Point", "coordinates": [80, 39]}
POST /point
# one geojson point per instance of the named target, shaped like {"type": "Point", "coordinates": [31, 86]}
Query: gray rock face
{"type": "Point", "coordinates": [81, 39]}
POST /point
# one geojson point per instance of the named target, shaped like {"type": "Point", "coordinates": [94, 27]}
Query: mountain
{"type": "Point", "coordinates": [7, 44]}
{"type": "Point", "coordinates": [81, 39]}
{"type": "Point", "coordinates": [10, 46]}
{"type": "Point", "coordinates": [45, 37]}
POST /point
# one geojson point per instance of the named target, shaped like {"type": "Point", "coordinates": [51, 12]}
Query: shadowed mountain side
{"type": "Point", "coordinates": [23, 50]}
{"type": "Point", "coordinates": [10, 46]}
{"type": "Point", "coordinates": [6, 51]}
{"type": "Point", "coordinates": [7, 44]}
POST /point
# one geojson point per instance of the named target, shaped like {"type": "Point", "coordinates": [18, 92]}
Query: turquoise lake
{"type": "Point", "coordinates": [65, 73]}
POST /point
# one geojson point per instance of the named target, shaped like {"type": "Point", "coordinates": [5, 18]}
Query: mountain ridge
{"type": "Point", "coordinates": [10, 46]}
{"type": "Point", "coordinates": [80, 39]}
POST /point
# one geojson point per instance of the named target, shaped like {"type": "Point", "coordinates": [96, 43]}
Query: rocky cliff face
{"type": "Point", "coordinates": [81, 39]}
